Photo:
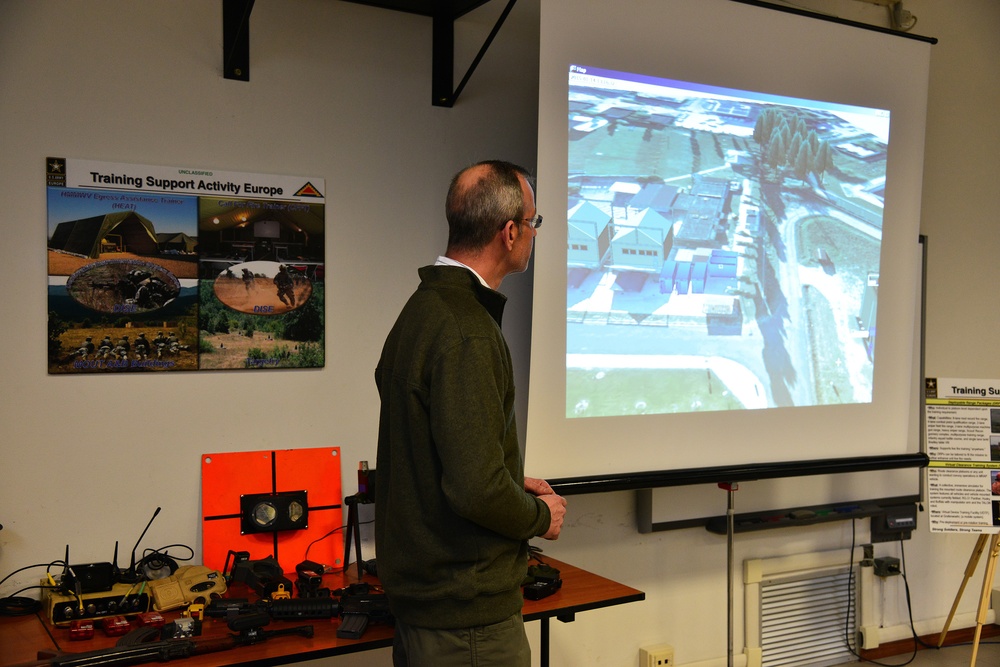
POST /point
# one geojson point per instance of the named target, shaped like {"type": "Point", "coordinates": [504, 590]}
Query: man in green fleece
{"type": "Point", "coordinates": [453, 510]}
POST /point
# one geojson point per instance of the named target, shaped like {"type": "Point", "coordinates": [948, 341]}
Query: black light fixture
{"type": "Point", "coordinates": [272, 512]}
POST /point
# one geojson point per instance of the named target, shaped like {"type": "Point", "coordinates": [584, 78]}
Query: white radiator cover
{"type": "Point", "coordinates": [800, 610]}
{"type": "Point", "coordinates": [870, 632]}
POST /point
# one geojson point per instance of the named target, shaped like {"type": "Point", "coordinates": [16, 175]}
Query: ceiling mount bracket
{"type": "Point", "coordinates": [443, 56]}
{"type": "Point", "coordinates": [236, 39]}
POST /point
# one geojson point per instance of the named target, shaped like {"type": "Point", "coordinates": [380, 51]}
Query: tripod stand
{"type": "Point", "coordinates": [353, 529]}
{"type": "Point", "coordinates": [984, 596]}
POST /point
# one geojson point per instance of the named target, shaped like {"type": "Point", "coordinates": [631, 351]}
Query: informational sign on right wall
{"type": "Point", "coordinates": [963, 445]}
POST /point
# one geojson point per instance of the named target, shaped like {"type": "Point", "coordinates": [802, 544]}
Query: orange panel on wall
{"type": "Point", "coordinates": [227, 476]}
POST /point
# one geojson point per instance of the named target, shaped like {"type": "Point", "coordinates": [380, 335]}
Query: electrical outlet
{"type": "Point", "coordinates": [660, 655]}
{"type": "Point", "coordinates": [887, 566]}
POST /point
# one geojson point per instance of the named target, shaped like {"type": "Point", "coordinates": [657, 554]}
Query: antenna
{"type": "Point", "coordinates": [131, 576]}
{"type": "Point", "coordinates": [64, 580]}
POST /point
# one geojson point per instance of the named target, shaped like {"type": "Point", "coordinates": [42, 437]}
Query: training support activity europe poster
{"type": "Point", "coordinates": [154, 269]}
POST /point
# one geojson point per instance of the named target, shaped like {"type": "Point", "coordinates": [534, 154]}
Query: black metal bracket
{"type": "Point", "coordinates": [443, 54]}
{"type": "Point", "coordinates": [236, 39]}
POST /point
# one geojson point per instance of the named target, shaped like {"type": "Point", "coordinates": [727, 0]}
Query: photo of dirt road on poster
{"type": "Point", "coordinates": [151, 269]}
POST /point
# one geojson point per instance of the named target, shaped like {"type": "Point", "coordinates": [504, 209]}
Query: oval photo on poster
{"type": "Point", "coordinates": [263, 288]}
{"type": "Point", "coordinates": [123, 286]}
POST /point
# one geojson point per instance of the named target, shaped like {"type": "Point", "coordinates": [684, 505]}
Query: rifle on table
{"type": "Point", "coordinates": [249, 629]}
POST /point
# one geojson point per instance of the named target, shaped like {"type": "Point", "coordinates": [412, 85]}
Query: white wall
{"type": "Point", "coordinates": [342, 91]}
{"type": "Point", "coordinates": [337, 90]}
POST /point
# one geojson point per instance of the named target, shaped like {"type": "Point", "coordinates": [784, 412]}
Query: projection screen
{"type": "Point", "coordinates": [728, 272]}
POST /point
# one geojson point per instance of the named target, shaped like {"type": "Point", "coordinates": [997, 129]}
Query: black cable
{"type": "Point", "coordinates": [138, 636]}
{"type": "Point", "coordinates": [30, 588]}
{"type": "Point", "coordinates": [305, 556]}
{"type": "Point", "coordinates": [28, 567]}
{"type": "Point", "coordinates": [847, 621]}
{"type": "Point", "coordinates": [157, 559]}
{"type": "Point", "coordinates": [918, 642]}
{"type": "Point", "coordinates": [150, 554]}
{"type": "Point", "coordinates": [535, 553]}
{"type": "Point", "coordinates": [909, 603]}
{"type": "Point", "coordinates": [14, 605]}
{"type": "Point", "coordinates": [850, 593]}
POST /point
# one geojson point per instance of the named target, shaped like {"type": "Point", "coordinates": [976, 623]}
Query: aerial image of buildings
{"type": "Point", "coordinates": [723, 247]}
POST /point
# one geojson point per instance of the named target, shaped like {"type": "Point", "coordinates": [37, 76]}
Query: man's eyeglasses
{"type": "Point", "coordinates": [535, 222]}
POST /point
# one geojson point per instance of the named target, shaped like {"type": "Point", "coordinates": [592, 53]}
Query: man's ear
{"type": "Point", "coordinates": [509, 234]}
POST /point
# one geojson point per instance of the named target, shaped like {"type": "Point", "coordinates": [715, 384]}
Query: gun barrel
{"type": "Point", "coordinates": [164, 650]}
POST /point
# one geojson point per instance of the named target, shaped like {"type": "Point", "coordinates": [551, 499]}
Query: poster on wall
{"type": "Point", "coordinates": [963, 445]}
{"type": "Point", "coordinates": [154, 269]}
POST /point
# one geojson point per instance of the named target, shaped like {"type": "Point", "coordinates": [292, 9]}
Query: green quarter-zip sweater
{"type": "Point", "coordinates": [452, 518]}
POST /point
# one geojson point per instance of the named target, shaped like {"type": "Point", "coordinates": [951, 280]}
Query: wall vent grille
{"type": "Point", "coordinates": [804, 619]}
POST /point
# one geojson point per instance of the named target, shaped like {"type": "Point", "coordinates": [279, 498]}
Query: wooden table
{"type": "Point", "coordinates": [22, 637]}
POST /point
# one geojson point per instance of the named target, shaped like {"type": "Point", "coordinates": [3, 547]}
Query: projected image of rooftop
{"type": "Point", "coordinates": [723, 247]}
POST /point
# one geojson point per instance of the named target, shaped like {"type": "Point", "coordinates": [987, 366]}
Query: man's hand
{"type": "Point", "coordinates": [557, 510]}
{"type": "Point", "coordinates": [537, 487]}
{"type": "Point", "coordinates": [555, 503]}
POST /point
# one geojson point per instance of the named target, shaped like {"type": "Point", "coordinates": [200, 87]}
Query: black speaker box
{"type": "Point", "coordinates": [92, 577]}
